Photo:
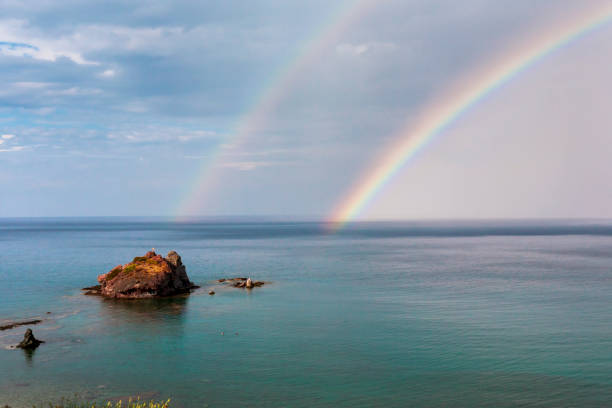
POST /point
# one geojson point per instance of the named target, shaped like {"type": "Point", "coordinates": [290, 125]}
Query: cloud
{"type": "Point", "coordinates": [17, 49]}
{"type": "Point", "coordinates": [22, 40]}
{"type": "Point", "coordinates": [13, 149]}
{"type": "Point", "coordinates": [363, 48]}
{"type": "Point", "coordinates": [249, 165]}
{"type": "Point", "coordinates": [7, 136]}
{"type": "Point", "coordinates": [160, 134]}
{"type": "Point", "coordinates": [174, 82]}
{"type": "Point", "coordinates": [351, 49]}
{"type": "Point", "coordinates": [72, 91]}
{"type": "Point", "coordinates": [31, 84]}
{"type": "Point", "coordinates": [42, 111]}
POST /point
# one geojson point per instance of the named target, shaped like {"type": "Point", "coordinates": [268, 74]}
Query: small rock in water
{"type": "Point", "coordinates": [16, 324]}
{"type": "Point", "coordinates": [29, 342]}
{"type": "Point", "coordinates": [245, 283]}
{"type": "Point", "coordinates": [212, 292]}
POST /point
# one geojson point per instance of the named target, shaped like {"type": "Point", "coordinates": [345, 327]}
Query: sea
{"type": "Point", "coordinates": [374, 314]}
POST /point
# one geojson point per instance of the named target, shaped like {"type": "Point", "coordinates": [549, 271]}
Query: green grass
{"type": "Point", "coordinates": [67, 403]}
{"type": "Point", "coordinates": [113, 273]}
{"type": "Point", "coordinates": [144, 259]}
{"type": "Point", "coordinates": [129, 269]}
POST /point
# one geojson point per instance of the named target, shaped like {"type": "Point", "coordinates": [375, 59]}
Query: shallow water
{"type": "Point", "coordinates": [437, 314]}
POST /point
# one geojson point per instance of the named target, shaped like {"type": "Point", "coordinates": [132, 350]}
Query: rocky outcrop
{"type": "Point", "coordinates": [29, 342]}
{"type": "Point", "coordinates": [17, 324]}
{"type": "Point", "coordinates": [246, 283]}
{"type": "Point", "coordinates": [146, 276]}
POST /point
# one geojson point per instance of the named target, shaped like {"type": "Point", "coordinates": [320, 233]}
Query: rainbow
{"type": "Point", "coordinates": [455, 103]}
{"type": "Point", "coordinates": [272, 94]}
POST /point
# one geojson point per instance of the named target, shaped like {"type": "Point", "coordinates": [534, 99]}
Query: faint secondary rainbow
{"type": "Point", "coordinates": [272, 94]}
{"type": "Point", "coordinates": [453, 105]}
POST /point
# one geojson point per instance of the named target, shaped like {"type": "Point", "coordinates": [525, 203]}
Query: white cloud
{"type": "Point", "coordinates": [248, 165]}
{"type": "Point", "coordinates": [351, 49]}
{"type": "Point", "coordinates": [73, 91]}
{"type": "Point", "coordinates": [20, 40]}
{"type": "Point", "coordinates": [156, 134]}
{"type": "Point", "coordinates": [32, 85]}
{"type": "Point", "coordinates": [8, 136]}
{"type": "Point", "coordinates": [42, 111]}
{"type": "Point", "coordinates": [13, 149]}
{"type": "Point", "coordinates": [363, 48]}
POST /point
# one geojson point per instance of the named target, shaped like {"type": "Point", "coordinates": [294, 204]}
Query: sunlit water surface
{"type": "Point", "coordinates": [497, 314]}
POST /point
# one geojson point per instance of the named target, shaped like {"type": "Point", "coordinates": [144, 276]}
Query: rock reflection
{"type": "Point", "coordinates": [144, 314]}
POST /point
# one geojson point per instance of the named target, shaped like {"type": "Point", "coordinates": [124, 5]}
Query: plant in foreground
{"type": "Point", "coordinates": [66, 403]}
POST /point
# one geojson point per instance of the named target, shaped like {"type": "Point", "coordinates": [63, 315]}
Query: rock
{"type": "Point", "coordinates": [93, 290]}
{"type": "Point", "coordinates": [145, 277]}
{"type": "Point", "coordinates": [29, 342]}
{"type": "Point", "coordinates": [247, 283]}
{"type": "Point", "coordinates": [212, 292]}
{"type": "Point", "coordinates": [16, 324]}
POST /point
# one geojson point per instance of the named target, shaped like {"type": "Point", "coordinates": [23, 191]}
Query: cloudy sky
{"type": "Point", "coordinates": [275, 107]}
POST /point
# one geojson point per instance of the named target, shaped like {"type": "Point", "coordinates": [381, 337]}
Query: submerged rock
{"type": "Point", "coordinates": [145, 277]}
{"type": "Point", "coordinates": [29, 342]}
{"type": "Point", "coordinates": [17, 324]}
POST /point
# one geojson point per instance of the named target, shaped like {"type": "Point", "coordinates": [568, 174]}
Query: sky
{"type": "Point", "coordinates": [152, 108]}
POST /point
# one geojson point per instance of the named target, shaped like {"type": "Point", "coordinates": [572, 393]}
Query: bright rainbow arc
{"type": "Point", "coordinates": [438, 117]}
{"type": "Point", "coordinates": [272, 94]}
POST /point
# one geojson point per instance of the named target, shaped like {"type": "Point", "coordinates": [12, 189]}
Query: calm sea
{"type": "Point", "coordinates": [438, 314]}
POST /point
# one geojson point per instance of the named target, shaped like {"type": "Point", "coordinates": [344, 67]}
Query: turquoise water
{"type": "Point", "coordinates": [498, 314]}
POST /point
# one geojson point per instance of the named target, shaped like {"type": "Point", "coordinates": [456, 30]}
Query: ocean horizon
{"type": "Point", "coordinates": [402, 204]}
{"type": "Point", "coordinates": [417, 313]}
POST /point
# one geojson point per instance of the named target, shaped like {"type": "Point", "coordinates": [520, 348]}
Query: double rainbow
{"type": "Point", "coordinates": [447, 109]}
